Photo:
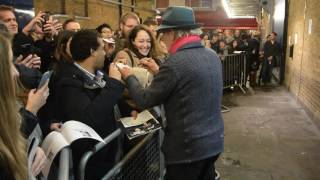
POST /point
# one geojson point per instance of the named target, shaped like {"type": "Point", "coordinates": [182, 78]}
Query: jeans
{"type": "Point", "coordinates": [266, 70]}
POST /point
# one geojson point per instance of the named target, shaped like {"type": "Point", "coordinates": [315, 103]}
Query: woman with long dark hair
{"type": "Point", "coordinates": [142, 47]}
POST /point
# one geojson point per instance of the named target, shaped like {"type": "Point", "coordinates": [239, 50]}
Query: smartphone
{"type": "Point", "coordinates": [45, 78]}
{"type": "Point", "coordinates": [45, 18]}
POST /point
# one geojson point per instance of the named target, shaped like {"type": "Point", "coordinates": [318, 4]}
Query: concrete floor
{"type": "Point", "coordinates": [268, 136]}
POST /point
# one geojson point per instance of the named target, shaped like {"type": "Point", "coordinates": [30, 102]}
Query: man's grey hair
{"type": "Point", "coordinates": [185, 32]}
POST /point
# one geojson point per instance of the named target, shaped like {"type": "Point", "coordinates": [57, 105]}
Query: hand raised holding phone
{"type": "Point", "coordinates": [37, 98]}
{"type": "Point", "coordinates": [44, 79]}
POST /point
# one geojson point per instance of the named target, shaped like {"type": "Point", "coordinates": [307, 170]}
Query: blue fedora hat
{"type": "Point", "coordinates": [178, 17]}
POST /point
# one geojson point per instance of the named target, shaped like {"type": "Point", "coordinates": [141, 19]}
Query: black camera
{"type": "Point", "coordinates": [28, 48]}
{"type": "Point", "coordinates": [24, 45]}
{"type": "Point", "coordinates": [45, 18]}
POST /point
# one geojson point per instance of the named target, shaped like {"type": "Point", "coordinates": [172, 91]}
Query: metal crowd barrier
{"type": "Point", "coordinates": [63, 169]}
{"type": "Point", "coordinates": [65, 165]}
{"type": "Point", "coordinates": [85, 158]}
{"type": "Point", "coordinates": [234, 70]}
{"type": "Point", "coordinates": [142, 162]}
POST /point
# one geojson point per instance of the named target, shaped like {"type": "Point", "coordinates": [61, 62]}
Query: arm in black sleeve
{"type": "Point", "coordinates": [124, 107]}
{"type": "Point", "coordinates": [29, 122]}
{"type": "Point", "coordinates": [78, 105]}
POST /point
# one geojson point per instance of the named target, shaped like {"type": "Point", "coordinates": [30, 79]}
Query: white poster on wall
{"type": "Point", "coordinates": [295, 38]}
{"type": "Point", "coordinates": [310, 26]}
{"type": "Point", "coordinates": [289, 40]}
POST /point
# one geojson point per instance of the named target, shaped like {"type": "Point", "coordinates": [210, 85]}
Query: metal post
{"type": "Point", "coordinates": [64, 165]}
{"type": "Point", "coordinates": [85, 158]}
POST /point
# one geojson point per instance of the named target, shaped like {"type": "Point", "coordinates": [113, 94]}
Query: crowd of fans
{"type": "Point", "coordinates": [227, 42]}
{"type": "Point", "coordinates": [86, 85]}
{"type": "Point", "coordinates": [45, 44]}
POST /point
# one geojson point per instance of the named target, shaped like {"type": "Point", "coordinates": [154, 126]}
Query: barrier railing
{"type": "Point", "coordinates": [85, 158]}
{"type": "Point", "coordinates": [62, 169]}
{"type": "Point", "coordinates": [234, 70]}
{"type": "Point", "coordinates": [141, 162]}
{"type": "Point", "coordinates": [65, 165]}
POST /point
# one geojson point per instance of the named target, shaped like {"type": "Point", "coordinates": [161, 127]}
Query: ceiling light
{"type": "Point", "coordinates": [229, 13]}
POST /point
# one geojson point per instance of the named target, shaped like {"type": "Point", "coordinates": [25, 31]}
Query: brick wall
{"type": "Point", "coordinates": [99, 11]}
{"type": "Point", "coordinates": [302, 76]}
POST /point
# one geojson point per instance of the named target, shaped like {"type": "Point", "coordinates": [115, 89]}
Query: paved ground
{"type": "Point", "coordinates": [268, 136]}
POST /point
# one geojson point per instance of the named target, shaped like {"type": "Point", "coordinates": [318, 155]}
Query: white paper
{"type": "Point", "coordinates": [56, 141]}
{"type": "Point", "coordinates": [73, 130]}
{"type": "Point", "coordinates": [144, 123]}
{"type": "Point", "coordinates": [142, 117]}
{"type": "Point", "coordinates": [52, 145]}
{"type": "Point", "coordinates": [121, 65]}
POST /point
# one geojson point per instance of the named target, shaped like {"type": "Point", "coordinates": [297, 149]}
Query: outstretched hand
{"type": "Point", "coordinates": [150, 64]}
{"type": "Point", "coordinates": [125, 72]}
{"type": "Point", "coordinates": [114, 72]}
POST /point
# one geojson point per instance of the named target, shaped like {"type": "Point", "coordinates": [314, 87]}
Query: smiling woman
{"type": "Point", "coordinates": [141, 44]}
{"type": "Point", "coordinates": [141, 47]}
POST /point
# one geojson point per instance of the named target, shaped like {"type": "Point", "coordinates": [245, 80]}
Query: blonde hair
{"type": "Point", "coordinates": [129, 15]}
{"type": "Point", "coordinates": [12, 144]}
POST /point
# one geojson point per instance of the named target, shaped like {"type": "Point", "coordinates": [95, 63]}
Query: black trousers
{"type": "Point", "coordinates": [198, 170]}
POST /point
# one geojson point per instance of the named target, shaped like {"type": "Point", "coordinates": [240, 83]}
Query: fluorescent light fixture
{"type": "Point", "coordinates": [229, 13]}
{"type": "Point", "coordinates": [252, 17]}
{"type": "Point", "coordinates": [279, 11]}
{"type": "Point", "coordinates": [226, 8]}
{"type": "Point", "coordinates": [30, 12]}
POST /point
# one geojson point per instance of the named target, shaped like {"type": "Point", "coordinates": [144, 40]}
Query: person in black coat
{"type": "Point", "coordinates": [84, 94]}
{"type": "Point", "coordinates": [271, 50]}
{"type": "Point", "coordinates": [48, 113]}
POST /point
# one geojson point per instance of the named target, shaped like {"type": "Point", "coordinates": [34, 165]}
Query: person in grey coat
{"type": "Point", "coordinates": [189, 84]}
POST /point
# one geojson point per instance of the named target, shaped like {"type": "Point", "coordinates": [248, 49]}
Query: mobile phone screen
{"type": "Point", "coordinates": [45, 78]}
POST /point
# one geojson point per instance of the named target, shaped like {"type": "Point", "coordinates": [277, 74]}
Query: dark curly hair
{"type": "Point", "coordinates": [104, 25]}
{"type": "Point", "coordinates": [82, 43]}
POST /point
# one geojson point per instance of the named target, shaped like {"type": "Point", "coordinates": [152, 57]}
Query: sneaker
{"type": "Point", "coordinates": [217, 175]}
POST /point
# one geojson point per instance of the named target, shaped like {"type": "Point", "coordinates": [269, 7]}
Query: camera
{"type": "Point", "coordinates": [45, 18]}
{"type": "Point", "coordinates": [24, 45]}
{"type": "Point", "coordinates": [27, 49]}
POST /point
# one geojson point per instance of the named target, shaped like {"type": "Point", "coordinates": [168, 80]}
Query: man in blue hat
{"type": "Point", "coordinates": [189, 84]}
